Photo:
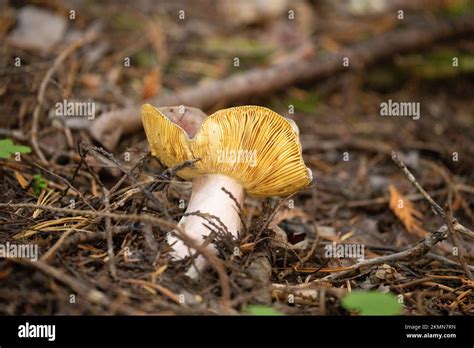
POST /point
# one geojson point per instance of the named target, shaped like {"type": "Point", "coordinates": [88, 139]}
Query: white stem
{"type": "Point", "coordinates": [208, 197]}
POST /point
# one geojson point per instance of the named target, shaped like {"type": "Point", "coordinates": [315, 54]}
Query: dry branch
{"type": "Point", "coordinates": [411, 178]}
{"type": "Point", "coordinates": [88, 37]}
{"type": "Point", "coordinates": [108, 231]}
{"type": "Point", "coordinates": [214, 261]}
{"type": "Point", "coordinates": [458, 227]}
{"type": "Point", "coordinates": [418, 250]}
{"type": "Point", "coordinates": [456, 241]}
{"type": "Point", "coordinates": [260, 81]}
{"type": "Point", "coordinates": [83, 237]}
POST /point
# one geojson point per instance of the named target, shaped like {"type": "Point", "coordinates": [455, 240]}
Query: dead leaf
{"type": "Point", "coordinates": [21, 179]}
{"type": "Point", "coordinates": [152, 84]}
{"type": "Point", "coordinates": [405, 212]}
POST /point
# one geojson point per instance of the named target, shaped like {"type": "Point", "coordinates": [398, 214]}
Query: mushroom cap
{"type": "Point", "coordinates": [251, 144]}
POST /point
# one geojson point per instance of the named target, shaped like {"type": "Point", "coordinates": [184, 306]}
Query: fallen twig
{"type": "Point", "coordinates": [259, 81]}
{"type": "Point", "coordinates": [94, 149]}
{"type": "Point", "coordinates": [51, 251]}
{"type": "Point", "coordinates": [446, 260]}
{"type": "Point", "coordinates": [164, 291]}
{"type": "Point", "coordinates": [411, 178]}
{"type": "Point", "coordinates": [458, 227]}
{"type": "Point", "coordinates": [68, 184]}
{"type": "Point", "coordinates": [416, 251]}
{"type": "Point", "coordinates": [455, 239]}
{"type": "Point", "coordinates": [214, 261]}
{"type": "Point", "coordinates": [108, 232]}
{"type": "Point", "coordinates": [83, 237]}
{"type": "Point", "coordinates": [429, 255]}
{"type": "Point", "coordinates": [88, 37]}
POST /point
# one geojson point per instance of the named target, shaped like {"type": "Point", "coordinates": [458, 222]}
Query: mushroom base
{"type": "Point", "coordinates": [208, 198]}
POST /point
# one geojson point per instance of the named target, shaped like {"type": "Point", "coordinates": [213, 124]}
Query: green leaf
{"type": "Point", "coordinates": [7, 148]}
{"type": "Point", "coordinates": [262, 310]}
{"type": "Point", "coordinates": [39, 184]}
{"type": "Point", "coordinates": [372, 303]}
{"type": "Point", "coordinates": [4, 154]}
{"type": "Point", "coordinates": [5, 145]}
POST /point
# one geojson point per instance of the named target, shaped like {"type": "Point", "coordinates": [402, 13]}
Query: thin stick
{"type": "Point", "coordinates": [455, 239]}
{"type": "Point", "coordinates": [164, 291]}
{"type": "Point", "coordinates": [116, 216]}
{"type": "Point", "coordinates": [453, 226]}
{"type": "Point", "coordinates": [239, 210]}
{"type": "Point", "coordinates": [51, 251]}
{"type": "Point", "coordinates": [458, 227]}
{"type": "Point", "coordinates": [420, 249]}
{"type": "Point", "coordinates": [411, 178]}
{"type": "Point", "coordinates": [98, 150]}
{"type": "Point", "coordinates": [446, 260]}
{"type": "Point", "coordinates": [108, 232]}
{"type": "Point", "coordinates": [416, 251]}
{"type": "Point", "coordinates": [214, 261]}
{"type": "Point", "coordinates": [429, 255]}
{"type": "Point", "coordinates": [83, 237]}
{"type": "Point", "coordinates": [68, 184]}
{"type": "Point", "coordinates": [89, 36]}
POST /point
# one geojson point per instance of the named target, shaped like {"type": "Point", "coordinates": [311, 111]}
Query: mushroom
{"type": "Point", "coordinates": [244, 150]}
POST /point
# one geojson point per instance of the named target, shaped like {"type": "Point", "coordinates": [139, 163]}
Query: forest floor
{"type": "Point", "coordinates": [94, 194]}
